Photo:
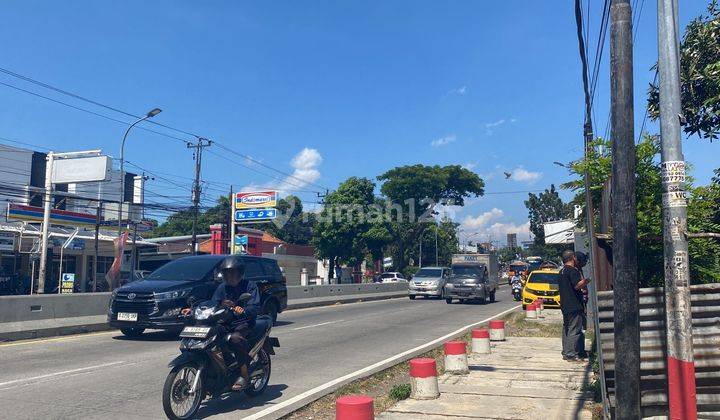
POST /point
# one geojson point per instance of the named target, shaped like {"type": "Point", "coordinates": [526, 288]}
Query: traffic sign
{"type": "Point", "coordinates": [241, 239]}
{"type": "Point", "coordinates": [255, 199]}
{"type": "Point", "coordinates": [256, 215]}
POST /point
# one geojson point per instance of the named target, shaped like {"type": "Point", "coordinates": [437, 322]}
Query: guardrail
{"type": "Point", "coordinates": [32, 316]}
{"type": "Point", "coordinates": [705, 300]}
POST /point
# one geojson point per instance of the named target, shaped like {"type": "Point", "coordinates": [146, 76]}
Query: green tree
{"type": "Point", "coordinates": [699, 76]}
{"type": "Point", "coordinates": [702, 208]}
{"type": "Point", "coordinates": [414, 192]}
{"type": "Point", "coordinates": [293, 225]}
{"type": "Point", "coordinates": [180, 223]}
{"type": "Point", "coordinates": [545, 207]}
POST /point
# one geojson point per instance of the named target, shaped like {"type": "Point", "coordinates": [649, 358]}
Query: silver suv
{"type": "Point", "coordinates": [428, 281]}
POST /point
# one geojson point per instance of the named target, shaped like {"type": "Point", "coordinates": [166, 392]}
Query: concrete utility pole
{"type": "Point", "coordinates": [47, 205]}
{"type": "Point", "coordinates": [624, 215]}
{"type": "Point", "coordinates": [680, 360]}
{"type": "Point", "coordinates": [199, 146]}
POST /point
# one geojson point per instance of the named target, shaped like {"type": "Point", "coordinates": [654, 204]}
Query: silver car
{"type": "Point", "coordinates": [428, 281]}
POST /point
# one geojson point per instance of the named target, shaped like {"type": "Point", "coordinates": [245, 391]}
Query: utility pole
{"type": "Point", "coordinates": [97, 244]}
{"type": "Point", "coordinates": [231, 223]}
{"type": "Point", "coordinates": [680, 359]}
{"type": "Point", "coordinates": [624, 215]}
{"type": "Point", "coordinates": [199, 146]}
{"type": "Point", "coordinates": [47, 203]}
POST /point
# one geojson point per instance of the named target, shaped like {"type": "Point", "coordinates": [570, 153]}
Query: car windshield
{"type": "Point", "coordinates": [468, 270]}
{"type": "Point", "coordinates": [547, 278]}
{"type": "Point", "coordinates": [184, 269]}
{"type": "Point", "coordinates": [429, 272]}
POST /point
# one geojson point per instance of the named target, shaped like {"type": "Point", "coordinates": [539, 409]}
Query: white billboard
{"type": "Point", "coordinates": [82, 169]}
{"type": "Point", "coordinates": [559, 232]}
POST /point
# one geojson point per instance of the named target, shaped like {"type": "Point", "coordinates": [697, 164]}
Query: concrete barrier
{"type": "Point", "coordinates": [34, 316]}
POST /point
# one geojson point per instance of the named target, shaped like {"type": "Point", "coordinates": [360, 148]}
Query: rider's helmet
{"type": "Point", "coordinates": [232, 265]}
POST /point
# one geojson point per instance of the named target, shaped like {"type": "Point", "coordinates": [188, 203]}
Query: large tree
{"type": "Point", "coordinates": [699, 76]}
{"type": "Point", "coordinates": [545, 207]}
{"type": "Point", "coordinates": [415, 192]}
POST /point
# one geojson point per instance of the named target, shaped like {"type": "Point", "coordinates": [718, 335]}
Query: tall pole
{"type": "Point", "coordinates": [437, 226]}
{"type": "Point", "coordinates": [150, 114]}
{"type": "Point", "coordinates": [680, 360]}
{"type": "Point", "coordinates": [97, 245]}
{"type": "Point", "coordinates": [201, 143]}
{"type": "Point", "coordinates": [231, 223]}
{"type": "Point", "coordinates": [47, 204]}
{"type": "Point", "coordinates": [624, 215]}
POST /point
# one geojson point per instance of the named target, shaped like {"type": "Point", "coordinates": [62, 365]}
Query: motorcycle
{"type": "Point", "coordinates": [517, 290]}
{"type": "Point", "coordinates": [207, 366]}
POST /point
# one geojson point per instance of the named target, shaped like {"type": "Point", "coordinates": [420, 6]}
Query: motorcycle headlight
{"type": "Point", "coordinates": [175, 294]}
{"type": "Point", "coordinates": [203, 313]}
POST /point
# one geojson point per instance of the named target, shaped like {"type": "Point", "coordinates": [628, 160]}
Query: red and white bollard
{"type": "Point", "coordinates": [530, 311]}
{"type": "Point", "coordinates": [481, 341]}
{"type": "Point", "coordinates": [539, 307]}
{"type": "Point", "coordinates": [456, 357]}
{"type": "Point", "coordinates": [423, 379]}
{"type": "Point", "coordinates": [497, 330]}
{"type": "Point", "coordinates": [354, 407]}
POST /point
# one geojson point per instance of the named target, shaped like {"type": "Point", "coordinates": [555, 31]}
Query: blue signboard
{"type": "Point", "coordinates": [255, 215]}
{"type": "Point", "coordinates": [241, 239]}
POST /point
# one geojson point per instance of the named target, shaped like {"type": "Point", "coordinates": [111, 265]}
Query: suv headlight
{"type": "Point", "coordinates": [175, 294]}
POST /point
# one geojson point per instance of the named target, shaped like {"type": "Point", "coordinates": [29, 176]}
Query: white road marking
{"type": "Point", "coordinates": [51, 375]}
{"type": "Point", "coordinates": [318, 325]}
{"type": "Point", "coordinates": [336, 383]}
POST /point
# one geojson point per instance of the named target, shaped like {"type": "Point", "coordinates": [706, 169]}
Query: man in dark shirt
{"type": "Point", "coordinates": [571, 285]}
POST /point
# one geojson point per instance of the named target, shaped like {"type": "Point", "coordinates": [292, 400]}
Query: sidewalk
{"type": "Point", "coordinates": [523, 378]}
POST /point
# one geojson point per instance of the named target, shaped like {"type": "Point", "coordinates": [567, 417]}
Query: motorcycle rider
{"type": "Point", "coordinates": [227, 295]}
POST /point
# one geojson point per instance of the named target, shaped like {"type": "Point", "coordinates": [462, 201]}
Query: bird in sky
{"type": "Point", "coordinates": [507, 175]}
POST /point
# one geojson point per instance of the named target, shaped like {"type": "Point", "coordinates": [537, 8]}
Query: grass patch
{"type": "Point", "coordinates": [517, 326]}
{"type": "Point", "coordinates": [400, 392]}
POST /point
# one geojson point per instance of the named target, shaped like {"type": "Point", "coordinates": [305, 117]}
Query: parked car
{"type": "Point", "coordinates": [156, 301]}
{"type": "Point", "coordinates": [542, 284]}
{"type": "Point", "coordinates": [428, 282]}
{"type": "Point", "coordinates": [391, 277]}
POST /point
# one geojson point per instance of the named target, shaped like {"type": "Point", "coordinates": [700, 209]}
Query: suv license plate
{"type": "Point", "coordinates": [195, 332]}
{"type": "Point", "coordinates": [125, 316]}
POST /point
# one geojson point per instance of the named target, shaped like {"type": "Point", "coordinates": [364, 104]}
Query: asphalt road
{"type": "Point", "coordinates": [104, 375]}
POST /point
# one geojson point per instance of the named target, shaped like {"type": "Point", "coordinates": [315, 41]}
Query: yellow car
{"type": "Point", "coordinates": [542, 284]}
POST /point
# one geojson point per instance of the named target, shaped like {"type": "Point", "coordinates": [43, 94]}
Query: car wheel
{"type": "Point", "coordinates": [132, 332]}
{"type": "Point", "coordinates": [271, 310]}
{"type": "Point", "coordinates": [448, 300]}
{"type": "Point", "coordinates": [492, 296]}
{"type": "Point", "coordinates": [482, 301]}
{"type": "Point", "coordinates": [412, 297]}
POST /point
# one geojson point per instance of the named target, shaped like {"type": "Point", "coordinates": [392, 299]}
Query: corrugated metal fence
{"type": "Point", "coordinates": [706, 342]}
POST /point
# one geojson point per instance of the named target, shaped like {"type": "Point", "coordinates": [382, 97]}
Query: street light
{"type": "Point", "coordinates": [153, 112]}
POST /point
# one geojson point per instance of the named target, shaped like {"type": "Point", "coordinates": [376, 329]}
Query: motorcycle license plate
{"type": "Point", "coordinates": [195, 332]}
{"type": "Point", "coordinates": [126, 316]}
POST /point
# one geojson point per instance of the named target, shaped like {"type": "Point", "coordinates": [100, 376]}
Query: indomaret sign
{"type": "Point", "coordinates": [254, 200]}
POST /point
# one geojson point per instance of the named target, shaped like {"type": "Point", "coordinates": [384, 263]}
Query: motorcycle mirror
{"type": "Point", "coordinates": [245, 297]}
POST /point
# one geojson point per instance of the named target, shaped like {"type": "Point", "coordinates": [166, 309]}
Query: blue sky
{"type": "Point", "coordinates": [364, 86]}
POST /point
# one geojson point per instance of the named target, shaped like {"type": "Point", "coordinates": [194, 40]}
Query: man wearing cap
{"type": "Point", "coordinates": [571, 285]}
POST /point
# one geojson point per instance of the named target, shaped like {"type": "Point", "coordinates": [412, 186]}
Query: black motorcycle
{"type": "Point", "coordinates": [207, 366]}
{"type": "Point", "coordinates": [517, 290]}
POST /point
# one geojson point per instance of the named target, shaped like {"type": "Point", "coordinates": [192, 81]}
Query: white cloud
{"type": "Point", "coordinates": [491, 226]}
{"type": "Point", "coordinates": [470, 165]}
{"type": "Point", "coordinates": [491, 126]}
{"type": "Point", "coordinates": [460, 91]}
{"type": "Point", "coordinates": [521, 174]}
{"type": "Point", "coordinates": [305, 171]}
{"type": "Point", "coordinates": [443, 141]}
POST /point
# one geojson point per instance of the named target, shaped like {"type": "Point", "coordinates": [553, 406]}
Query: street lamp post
{"type": "Point", "coordinates": [150, 114]}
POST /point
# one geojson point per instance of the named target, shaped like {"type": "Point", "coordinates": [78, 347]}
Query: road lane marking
{"type": "Point", "coordinates": [3, 385]}
{"type": "Point", "coordinates": [324, 389]}
{"type": "Point", "coordinates": [317, 325]}
{"type": "Point", "coordinates": [54, 339]}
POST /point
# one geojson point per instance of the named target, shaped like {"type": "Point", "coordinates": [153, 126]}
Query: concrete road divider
{"type": "Point", "coordinates": [497, 330]}
{"type": "Point", "coordinates": [423, 379]}
{"type": "Point", "coordinates": [481, 341]}
{"type": "Point", "coordinates": [538, 308]}
{"type": "Point", "coordinates": [530, 311]}
{"type": "Point", "coordinates": [456, 361]}
{"type": "Point", "coordinates": [354, 407]}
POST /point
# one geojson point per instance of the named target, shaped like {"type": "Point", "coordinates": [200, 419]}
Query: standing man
{"type": "Point", "coordinates": [571, 285]}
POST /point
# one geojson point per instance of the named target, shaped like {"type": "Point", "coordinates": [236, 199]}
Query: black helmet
{"type": "Point", "coordinates": [232, 264]}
